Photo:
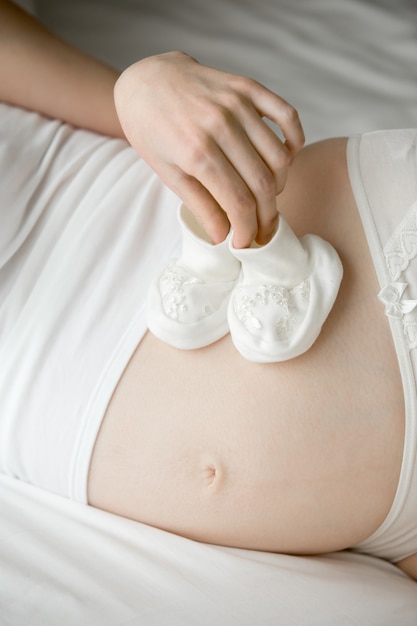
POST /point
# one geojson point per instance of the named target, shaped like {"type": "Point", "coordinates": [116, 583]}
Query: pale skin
{"type": "Point", "coordinates": [213, 447]}
{"type": "Point", "coordinates": [204, 443]}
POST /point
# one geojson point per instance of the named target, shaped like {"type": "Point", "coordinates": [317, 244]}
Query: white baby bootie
{"type": "Point", "coordinates": [187, 305]}
{"type": "Point", "coordinates": [286, 291]}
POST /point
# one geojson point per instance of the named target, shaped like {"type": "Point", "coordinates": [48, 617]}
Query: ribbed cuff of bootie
{"type": "Point", "coordinates": [187, 303]}
{"type": "Point", "coordinates": [285, 293]}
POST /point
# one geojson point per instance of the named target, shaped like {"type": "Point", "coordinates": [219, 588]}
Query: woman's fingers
{"type": "Point", "coordinates": [205, 209]}
{"type": "Point", "coordinates": [243, 167]}
{"type": "Point", "coordinates": [271, 105]}
{"type": "Point", "coordinates": [261, 160]}
{"type": "Point", "coordinates": [217, 196]}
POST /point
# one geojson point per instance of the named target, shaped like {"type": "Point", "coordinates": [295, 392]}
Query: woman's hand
{"type": "Point", "coordinates": [202, 131]}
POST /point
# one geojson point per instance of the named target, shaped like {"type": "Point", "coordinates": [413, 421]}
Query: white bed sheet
{"type": "Point", "coordinates": [65, 564]}
{"type": "Point", "coordinates": [348, 66]}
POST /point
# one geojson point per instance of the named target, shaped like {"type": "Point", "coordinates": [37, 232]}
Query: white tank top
{"type": "Point", "coordinates": [84, 225]}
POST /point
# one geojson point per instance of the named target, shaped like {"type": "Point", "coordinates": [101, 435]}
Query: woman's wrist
{"type": "Point", "coordinates": [40, 72]}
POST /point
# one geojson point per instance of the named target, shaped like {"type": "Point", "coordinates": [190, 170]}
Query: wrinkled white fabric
{"type": "Point", "coordinates": [65, 563]}
{"type": "Point", "coordinates": [348, 66]}
{"type": "Point", "coordinates": [78, 247]}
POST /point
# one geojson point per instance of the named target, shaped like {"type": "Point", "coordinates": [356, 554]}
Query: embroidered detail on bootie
{"type": "Point", "coordinates": [172, 282]}
{"type": "Point", "coordinates": [270, 305]}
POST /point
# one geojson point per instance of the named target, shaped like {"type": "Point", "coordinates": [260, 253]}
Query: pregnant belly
{"type": "Point", "coordinates": [211, 447]}
{"type": "Point", "coordinates": [302, 456]}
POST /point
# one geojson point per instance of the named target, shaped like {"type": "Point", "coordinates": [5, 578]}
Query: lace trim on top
{"type": "Point", "coordinates": [400, 251]}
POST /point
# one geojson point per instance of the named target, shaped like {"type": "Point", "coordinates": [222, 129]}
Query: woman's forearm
{"type": "Point", "coordinates": [38, 71]}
